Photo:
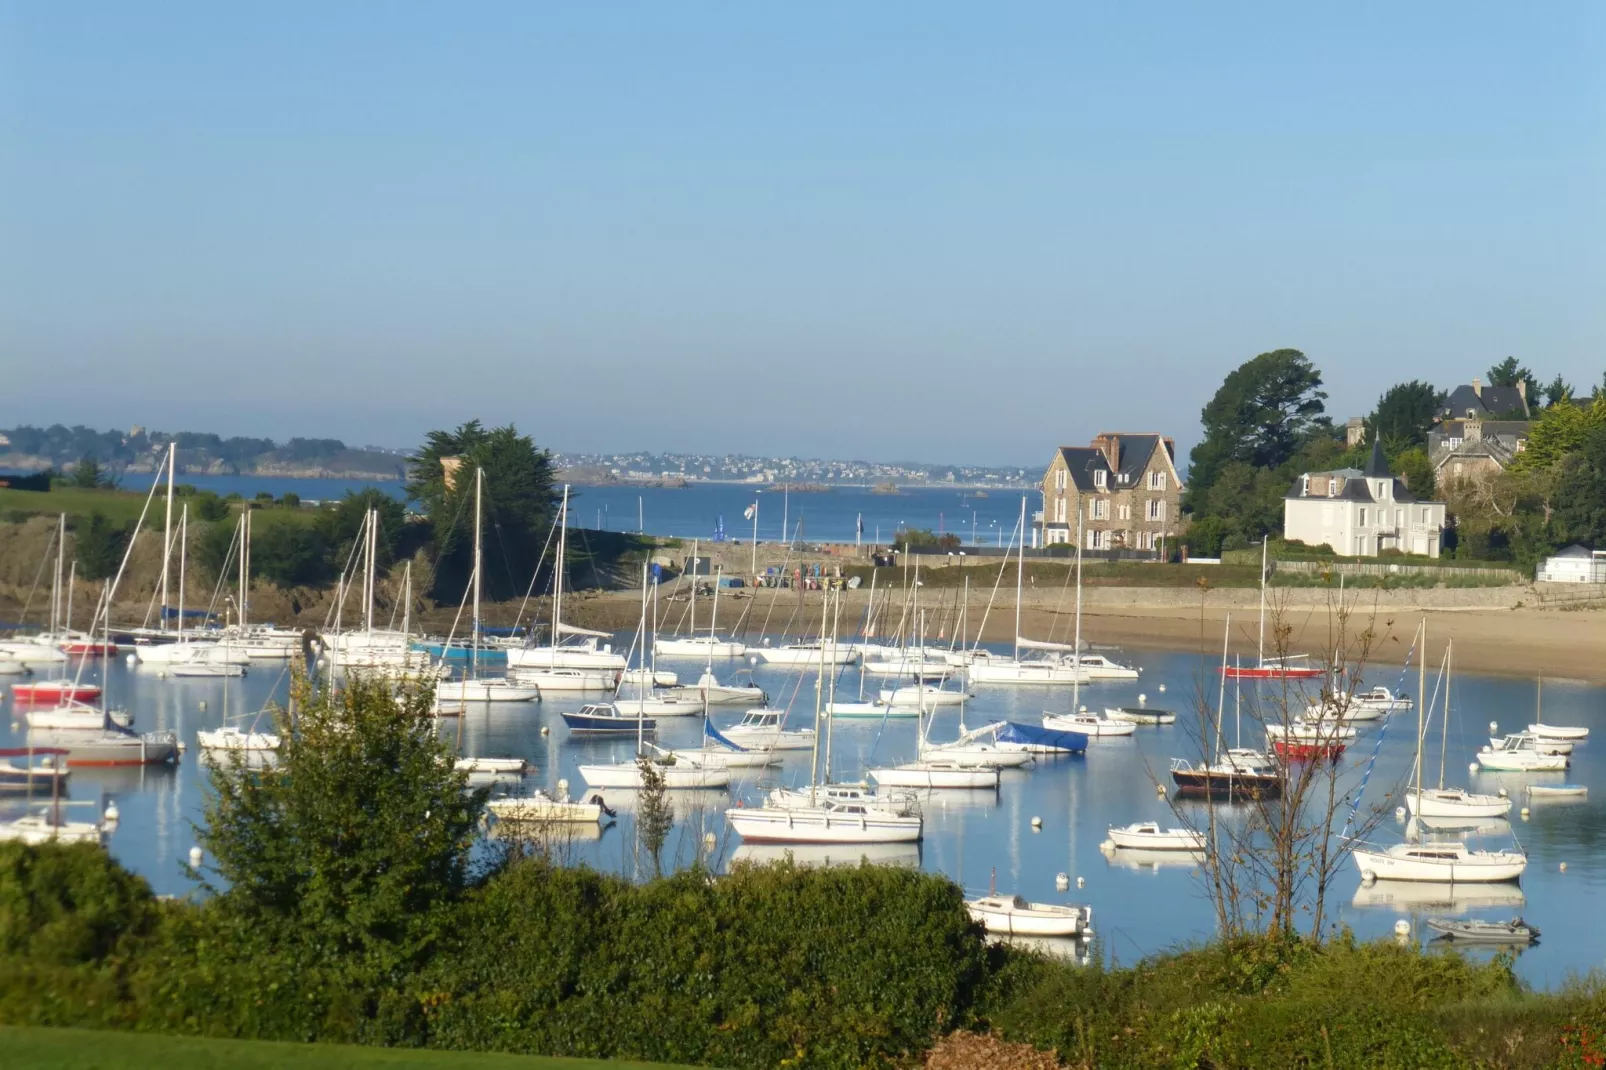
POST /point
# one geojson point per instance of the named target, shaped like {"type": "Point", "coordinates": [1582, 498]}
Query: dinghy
{"type": "Point", "coordinates": [1013, 915]}
{"type": "Point", "coordinates": [1515, 931]}
{"type": "Point", "coordinates": [1150, 836]}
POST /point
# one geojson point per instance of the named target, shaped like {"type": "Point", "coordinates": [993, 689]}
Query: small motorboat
{"type": "Point", "coordinates": [1227, 779]}
{"type": "Point", "coordinates": [46, 775]}
{"type": "Point", "coordinates": [1013, 915]}
{"type": "Point", "coordinates": [11, 667]}
{"type": "Point", "coordinates": [1542, 744]}
{"type": "Point", "coordinates": [1301, 739]}
{"type": "Point", "coordinates": [600, 718]}
{"type": "Point", "coordinates": [1520, 753]}
{"type": "Point", "coordinates": [544, 806]}
{"type": "Point", "coordinates": [1089, 724]}
{"type": "Point", "coordinates": [1515, 931]}
{"type": "Point", "coordinates": [55, 691]}
{"type": "Point", "coordinates": [1557, 791]}
{"type": "Point", "coordinates": [45, 828]}
{"type": "Point", "coordinates": [231, 738]}
{"type": "Point", "coordinates": [1556, 731]}
{"type": "Point", "coordinates": [1140, 715]}
{"type": "Point", "coordinates": [765, 729]}
{"type": "Point", "coordinates": [494, 766]}
{"type": "Point", "coordinates": [1150, 836]}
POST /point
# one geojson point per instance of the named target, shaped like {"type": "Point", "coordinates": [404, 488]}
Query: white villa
{"type": "Point", "coordinates": [1361, 513]}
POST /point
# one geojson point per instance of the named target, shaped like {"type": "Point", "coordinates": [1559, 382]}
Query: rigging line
{"type": "Point", "coordinates": [534, 576]}
{"type": "Point", "coordinates": [786, 559]}
{"type": "Point", "coordinates": [43, 561]}
{"type": "Point", "coordinates": [1377, 745]}
{"type": "Point", "coordinates": [171, 541]}
{"type": "Point", "coordinates": [998, 580]}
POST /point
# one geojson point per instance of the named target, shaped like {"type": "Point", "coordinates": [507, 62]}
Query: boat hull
{"type": "Point", "coordinates": [628, 775]}
{"type": "Point", "coordinates": [1270, 672]}
{"type": "Point", "coordinates": [813, 825]}
{"type": "Point", "coordinates": [1165, 840]}
{"type": "Point", "coordinates": [982, 778]}
{"type": "Point", "coordinates": [539, 809]}
{"type": "Point", "coordinates": [51, 691]}
{"type": "Point", "coordinates": [593, 724]}
{"type": "Point", "coordinates": [1460, 804]}
{"type": "Point", "coordinates": [1224, 785]}
{"type": "Point", "coordinates": [1384, 866]}
{"type": "Point", "coordinates": [698, 648]}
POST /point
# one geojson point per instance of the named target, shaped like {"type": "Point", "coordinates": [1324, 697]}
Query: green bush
{"type": "Point", "coordinates": [99, 543]}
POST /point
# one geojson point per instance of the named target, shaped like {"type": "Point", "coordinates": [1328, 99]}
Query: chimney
{"type": "Point", "coordinates": [1477, 387]}
{"type": "Point", "coordinates": [1109, 444]}
{"type": "Point", "coordinates": [1472, 430]}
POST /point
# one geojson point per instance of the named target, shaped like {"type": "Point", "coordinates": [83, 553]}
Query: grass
{"type": "Point", "coordinates": [17, 505]}
{"type": "Point", "coordinates": [87, 1049]}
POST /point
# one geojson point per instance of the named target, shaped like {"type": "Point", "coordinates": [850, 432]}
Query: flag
{"type": "Point", "coordinates": [750, 512]}
{"type": "Point", "coordinates": [861, 525]}
{"type": "Point", "coordinates": [719, 529]}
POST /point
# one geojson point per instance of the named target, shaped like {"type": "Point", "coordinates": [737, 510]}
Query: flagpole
{"type": "Point", "coordinates": [754, 569]}
{"type": "Point", "coordinates": [858, 536]}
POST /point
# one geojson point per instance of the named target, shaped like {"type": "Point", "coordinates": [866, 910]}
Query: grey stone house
{"type": "Point", "coordinates": [1127, 490]}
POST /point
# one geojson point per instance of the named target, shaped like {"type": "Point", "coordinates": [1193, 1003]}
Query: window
{"type": "Point", "coordinates": [1363, 517]}
{"type": "Point", "coordinates": [1101, 509]}
{"type": "Point", "coordinates": [1094, 538]}
{"type": "Point", "coordinates": [1156, 509]}
{"type": "Point", "coordinates": [1123, 511]}
{"type": "Point", "coordinates": [1304, 486]}
{"type": "Point", "coordinates": [1059, 510]}
{"type": "Point", "coordinates": [1157, 481]}
{"type": "Point", "coordinates": [1059, 481]}
{"type": "Point", "coordinates": [1399, 518]}
{"type": "Point", "coordinates": [1100, 478]}
{"type": "Point", "coordinates": [1427, 517]}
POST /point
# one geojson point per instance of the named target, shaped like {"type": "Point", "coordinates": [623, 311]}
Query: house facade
{"type": "Point", "coordinates": [1362, 512]}
{"type": "Point", "coordinates": [1576, 564]}
{"type": "Point", "coordinates": [1474, 448]}
{"type": "Point", "coordinates": [1125, 487]}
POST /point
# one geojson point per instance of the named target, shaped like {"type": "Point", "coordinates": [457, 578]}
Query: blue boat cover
{"type": "Point", "coordinates": [1038, 736]}
{"type": "Point", "coordinates": [713, 733]}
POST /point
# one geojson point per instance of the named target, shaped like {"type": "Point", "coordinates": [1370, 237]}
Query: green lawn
{"type": "Point", "coordinates": [116, 504]}
{"type": "Point", "coordinates": [85, 1049]}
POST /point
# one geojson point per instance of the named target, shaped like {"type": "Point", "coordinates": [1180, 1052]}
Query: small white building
{"type": "Point", "coordinates": [1361, 513]}
{"type": "Point", "coordinates": [1576, 564]}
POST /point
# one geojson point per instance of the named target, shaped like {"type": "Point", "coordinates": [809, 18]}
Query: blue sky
{"type": "Point", "coordinates": [951, 232]}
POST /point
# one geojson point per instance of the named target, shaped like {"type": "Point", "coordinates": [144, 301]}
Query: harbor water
{"type": "Point", "coordinates": [1142, 903]}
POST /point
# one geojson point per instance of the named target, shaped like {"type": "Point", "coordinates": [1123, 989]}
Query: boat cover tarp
{"type": "Point", "coordinates": [714, 734]}
{"type": "Point", "coordinates": [1038, 736]}
{"type": "Point", "coordinates": [1041, 644]}
{"type": "Point", "coordinates": [574, 629]}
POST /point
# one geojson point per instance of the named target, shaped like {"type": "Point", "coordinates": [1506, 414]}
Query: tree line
{"type": "Point", "coordinates": [1267, 424]}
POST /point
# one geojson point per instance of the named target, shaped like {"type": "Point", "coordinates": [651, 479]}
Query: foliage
{"type": "Point", "coordinates": [925, 538]}
{"type": "Point", "coordinates": [1558, 431]}
{"type": "Point", "coordinates": [87, 474]}
{"type": "Point", "coordinates": [340, 523]}
{"type": "Point", "coordinates": [99, 543]}
{"type": "Point", "coordinates": [519, 504]}
{"type": "Point", "coordinates": [1510, 372]}
{"type": "Point", "coordinates": [655, 816]}
{"type": "Point", "coordinates": [1404, 415]}
{"type": "Point", "coordinates": [355, 844]}
{"type": "Point", "coordinates": [1557, 391]}
{"type": "Point", "coordinates": [289, 553]}
{"type": "Point", "coordinates": [207, 506]}
{"type": "Point", "coordinates": [1414, 466]}
{"type": "Point", "coordinates": [1263, 413]}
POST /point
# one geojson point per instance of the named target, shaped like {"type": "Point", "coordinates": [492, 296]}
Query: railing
{"type": "Point", "coordinates": [1355, 568]}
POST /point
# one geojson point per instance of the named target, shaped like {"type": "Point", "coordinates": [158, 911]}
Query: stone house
{"type": "Point", "coordinates": [1362, 512]}
{"type": "Point", "coordinates": [1486, 402]}
{"type": "Point", "coordinates": [1474, 448]}
{"type": "Point", "coordinates": [1126, 487]}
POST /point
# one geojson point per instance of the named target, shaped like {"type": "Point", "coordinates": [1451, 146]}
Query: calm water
{"type": "Point", "coordinates": [696, 511]}
{"type": "Point", "coordinates": [1140, 905]}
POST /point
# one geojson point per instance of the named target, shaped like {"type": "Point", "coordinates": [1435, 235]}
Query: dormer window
{"type": "Point", "coordinates": [1100, 479]}
{"type": "Point", "coordinates": [1304, 486]}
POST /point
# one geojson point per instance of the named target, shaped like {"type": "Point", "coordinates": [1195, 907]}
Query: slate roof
{"type": "Point", "coordinates": [1575, 550]}
{"type": "Point", "coordinates": [1489, 401]}
{"type": "Point", "coordinates": [1083, 461]}
{"type": "Point", "coordinates": [1376, 466]}
{"type": "Point", "coordinates": [1135, 452]}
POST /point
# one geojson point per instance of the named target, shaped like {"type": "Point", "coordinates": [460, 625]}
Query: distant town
{"type": "Point", "coordinates": [659, 468]}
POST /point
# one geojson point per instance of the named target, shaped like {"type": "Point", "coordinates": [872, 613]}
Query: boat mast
{"type": "Point", "coordinates": [713, 618]}
{"type": "Point", "coordinates": [557, 581]}
{"type": "Point", "coordinates": [55, 586]}
{"type": "Point", "coordinates": [1020, 570]}
{"type": "Point", "coordinates": [1260, 642]}
{"type": "Point", "coordinates": [167, 542]}
{"type": "Point", "coordinates": [836, 623]}
{"type": "Point", "coordinates": [479, 556]}
{"type": "Point", "coordinates": [245, 567]}
{"type": "Point", "coordinates": [1076, 644]}
{"type": "Point", "coordinates": [370, 573]}
{"type": "Point", "coordinates": [1421, 690]}
{"type": "Point", "coordinates": [641, 659]}
{"type": "Point", "coordinates": [183, 561]}
{"type": "Point", "coordinates": [641, 692]}
{"type": "Point", "coordinates": [691, 627]}
{"type": "Point", "coordinates": [72, 581]}
{"type": "Point", "coordinates": [1444, 747]}
{"type": "Point", "coordinates": [1221, 696]}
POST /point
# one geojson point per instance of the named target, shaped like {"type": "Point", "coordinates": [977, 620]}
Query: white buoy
{"type": "Point", "coordinates": [1494, 728]}
{"type": "Point", "coordinates": [1162, 689]}
{"type": "Point", "coordinates": [1159, 789]}
{"type": "Point", "coordinates": [1037, 822]}
{"type": "Point", "coordinates": [112, 814]}
{"type": "Point", "coordinates": [1062, 881]}
{"type": "Point", "coordinates": [1081, 882]}
{"type": "Point", "coordinates": [1504, 794]}
{"type": "Point", "coordinates": [1142, 699]}
{"type": "Point", "coordinates": [1563, 867]}
{"type": "Point", "coordinates": [1523, 813]}
{"type": "Point", "coordinates": [1472, 767]}
{"type": "Point", "coordinates": [196, 854]}
{"type": "Point", "coordinates": [709, 840]}
{"type": "Point", "coordinates": [545, 731]}
{"type": "Point", "coordinates": [201, 705]}
{"type": "Point", "coordinates": [1368, 876]}
{"type": "Point", "coordinates": [1107, 845]}
{"type": "Point", "coordinates": [1399, 813]}
{"type": "Point", "coordinates": [1402, 928]}
{"type": "Point", "coordinates": [563, 785]}
{"type": "Point", "coordinates": [132, 660]}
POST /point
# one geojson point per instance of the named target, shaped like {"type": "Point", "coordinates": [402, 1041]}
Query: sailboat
{"type": "Point", "coordinates": [474, 688]}
{"type": "Point", "coordinates": [1264, 668]}
{"type": "Point", "coordinates": [46, 648]}
{"type": "Point", "coordinates": [1237, 774]}
{"type": "Point", "coordinates": [830, 813]}
{"type": "Point", "coordinates": [563, 667]}
{"type": "Point", "coordinates": [1436, 861]}
{"type": "Point", "coordinates": [1046, 671]}
{"type": "Point", "coordinates": [1442, 802]}
{"type": "Point", "coordinates": [692, 645]}
{"type": "Point", "coordinates": [1079, 719]}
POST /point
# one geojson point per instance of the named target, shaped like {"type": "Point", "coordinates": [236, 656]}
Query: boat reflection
{"type": "Point", "coordinates": [1148, 858]}
{"type": "Point", "coordinates": [1061, 948]}
{"type": "Point", "coordinates": [1408, 897]}
{"type": "Point", "coordinates": [549, 835]}
{"type": "Point", "coordinates": [1456, 828]}
{"type": "Point", "coordinates": [906, 855]}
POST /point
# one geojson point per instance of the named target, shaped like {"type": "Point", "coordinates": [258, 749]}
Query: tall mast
{"type": "Point", "coordinates": [557, 578]}
{"type": "Point", "coordinates": [72, 581]}
{"type": "Point", "coordinates": [691, 628]}
{"type": "Point", "coordinates": [479, 553]}
{"type": "Point", "coordinates": [183, 561]}
{"type": "Point", "coordinates": [1260, 642]}
{"type": "Point", "coordinates": [245, 566]}
{"type": "Point", "coordinates": [1076, 645]}
{"type": "Point", "coordinates": [1444, 747]}
{"type": "Point", "coordinates": [1020, 572]}
{"type": "Point", "coordinates": [55, 587]}
{"type": "Point", "coordinates": [1221, 696]}
{"type": "Point", "coordinates": [641, 691]}
{"type": "Point", "coordinates": [1421, 686]}
{"type": "Point", "coordinates": [642, 684]}
{"type": "Point", "coordinates": [369, 572]}
{"type": "Point", "coordinates": [713, 617]}
{"type": "Point", "coordinates": [836, 621]}
{"type": "Point", "coordinates": [167, 539]}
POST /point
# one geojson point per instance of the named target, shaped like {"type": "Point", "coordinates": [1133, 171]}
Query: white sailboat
{"type": "Point", "coordinates": [1442, 802]}
{"type": "Point", "coordinates": [692, 645]}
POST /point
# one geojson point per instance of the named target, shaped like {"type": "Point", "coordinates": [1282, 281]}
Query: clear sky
{"type": "Point", "coordinates": [946, 232]}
